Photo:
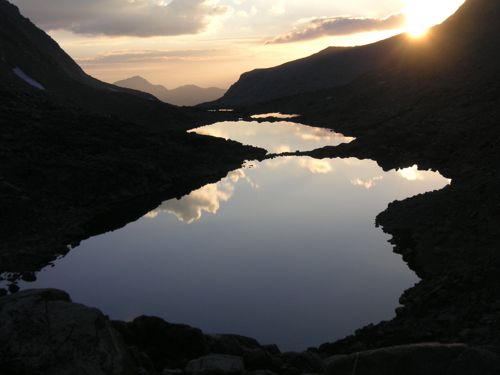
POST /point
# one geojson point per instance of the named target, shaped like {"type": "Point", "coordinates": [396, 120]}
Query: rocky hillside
{"type": "Point", "coordinates": [31, 61]}
{"type": "Point", "coordinates": [188, 95]}
{"type": "Point", "coordinates": [335, 67]}
{"type": "Point", "coordinates": [331, 67]}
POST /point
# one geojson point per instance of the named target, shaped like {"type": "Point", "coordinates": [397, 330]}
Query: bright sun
{"type": "Point", "coordinates": [423, 14]}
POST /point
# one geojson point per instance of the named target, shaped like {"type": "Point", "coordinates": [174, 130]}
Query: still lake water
{"type": "Point", "coordinates": [285, 250]}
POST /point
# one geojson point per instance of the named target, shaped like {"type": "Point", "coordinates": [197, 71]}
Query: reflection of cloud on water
{"type": "Point", "coordinates": [272, 136]}
{"type": "Point", "coordinates": [311, 134]}
{"type": "Point", "coordinates": [411, 174]}
{"type": "Point", "coordinates": [208, 199]}
{"type": "Point", "coordinates": [316, 166]}
{"type": "Point", "coordinates": [213, 132]}
{"type": "Point", "coordinates": [281, 149]}
{"type": "Point", "coordinates": [190, 208]}
{"type": "Point", "coordinates": [368, 183]}
{"type": "Point", "coordinates": [152, 214]}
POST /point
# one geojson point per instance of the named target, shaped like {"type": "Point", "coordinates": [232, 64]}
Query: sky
{"type": "Point", "coordinates": [212, 42]}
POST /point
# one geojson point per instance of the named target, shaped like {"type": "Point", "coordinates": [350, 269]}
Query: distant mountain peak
{"type": "Point", "coordinates": [186, 95]}
{"type": "Point", "coordinates": [138, 78]}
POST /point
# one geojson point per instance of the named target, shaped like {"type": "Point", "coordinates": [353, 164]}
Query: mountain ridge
{"type": "Point", "coordinates": [338, 66]}
{"type": "Point", "coordinates": [185, 95]}
{"type": "Point", "coordinates": [28, 54]}
{"type": "Point", "coordinates": [333, 66]}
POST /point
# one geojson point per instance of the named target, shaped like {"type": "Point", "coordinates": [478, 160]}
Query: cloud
{"type": "Point", "coordinates": [336, 26]}
{"type": "Point", "coordinates": [138, 56]}
{"type": "Point", "coordinates": [278, 9]}
{"type": "Point", "coordinates": [316, 166]}
{"type": "Point", "coordinates": [141, 18]}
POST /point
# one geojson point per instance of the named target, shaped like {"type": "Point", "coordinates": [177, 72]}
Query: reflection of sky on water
{"type": "Point", "coordinates": [285, 251]}
{"type": "Point", "coordinates": [275, 137]}
{"type": "Point", "coordinates": [209, 198]}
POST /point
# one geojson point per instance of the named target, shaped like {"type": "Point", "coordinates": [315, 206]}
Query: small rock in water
{"type": "Point", "coordinates": [13, 288]}
{"type": "Point", "coordinates": [29, 277]}
{"type": "Point", "coordinates": [3, 292]}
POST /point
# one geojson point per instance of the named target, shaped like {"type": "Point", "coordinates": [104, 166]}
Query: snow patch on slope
{"type": "Point", "coordinates": [26, 78]}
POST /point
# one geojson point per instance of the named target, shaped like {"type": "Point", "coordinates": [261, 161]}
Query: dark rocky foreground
{"type": "Point", "coordinates": [43, 332]}
{"type": "Point", "coordinates": [66, 172]}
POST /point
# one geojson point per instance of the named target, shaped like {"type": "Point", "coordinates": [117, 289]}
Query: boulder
{"type": "Point", "coordinates": [306, 362]}
{"type": "Point", "coordinates": [43, 332]}
{"type": "Point", "coordinates": [416, 359]}
{"type": "Point", "coordinates": [232, 344]}
{"type": "Point", "coordinates": [272, 349]}
{"type": "Point", "coordinates": [216, 364]}
{"type": "Point", "coordinates": [168, 345]}
{"type": "Point", "coordinates": [475, 361]}
{"type": "Point", "coordinates": [259, 359]}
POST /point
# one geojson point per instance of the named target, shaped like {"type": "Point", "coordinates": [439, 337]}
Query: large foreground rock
{"type": "Point", "coordinates": [167, 345]}
{"type": "Point", "coordinates": [418, 359]}
{"type": "Point", "coordinates": [43, 332]}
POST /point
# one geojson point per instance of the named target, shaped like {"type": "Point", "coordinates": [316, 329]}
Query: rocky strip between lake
{"type": "Point", "coordinates": [447, 122]}
{"type": "Point", "coordinates": [67, 174]}
{"type": "Point", "coordinates": [44, 332]}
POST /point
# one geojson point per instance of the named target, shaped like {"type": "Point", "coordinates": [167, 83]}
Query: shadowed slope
{"type": "Point", "coordinates": [331, 67]}
{"type": "Point", "coordinates": [28, 54]}
{"type": "Point", "coordinates": [335, 67]}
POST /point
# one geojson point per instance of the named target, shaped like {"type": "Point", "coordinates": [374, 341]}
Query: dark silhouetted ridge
{"type": "Point", "coordinates": [331, 67]}
{"type": "Point", "coordinates": [475, 25]}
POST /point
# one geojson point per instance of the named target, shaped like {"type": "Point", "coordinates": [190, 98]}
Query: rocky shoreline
{"type": "Point", "coordinates": [44, 332]}
{"type": "Point", "coordinates": [69, 173]}
{"type": "Point", "coordinates": [451, 249]}
{"type": "Point", "coordinates": [456, 302]}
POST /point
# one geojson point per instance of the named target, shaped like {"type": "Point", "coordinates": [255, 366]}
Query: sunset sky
{"type": "Point", "coordinates": [211, 42]}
